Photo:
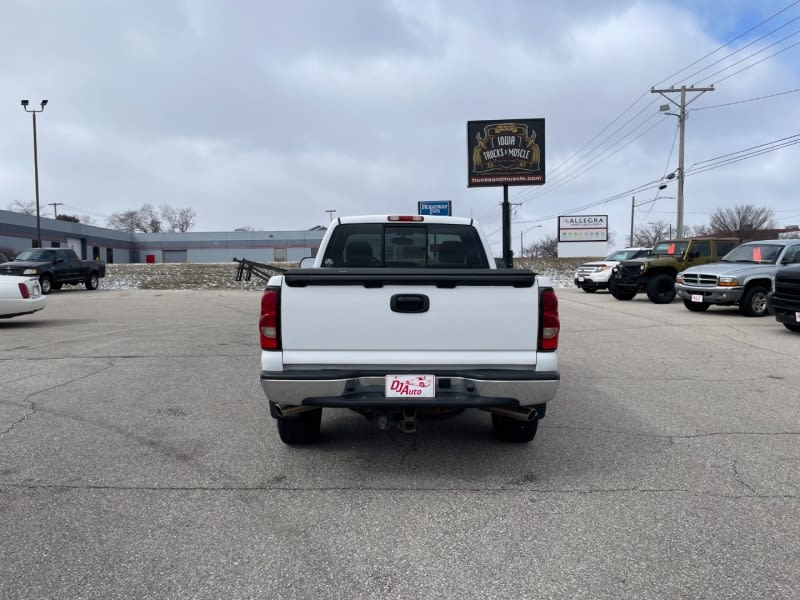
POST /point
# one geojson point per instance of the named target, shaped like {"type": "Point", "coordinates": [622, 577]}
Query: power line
{"type": "Point", "coordinates": [729, 42]}
{"type": "Point", "coordinates": [565, 172]}
{"type": "Point", "coordinates": [748, 100]}
{"type": "Point", "coordinates": [756, 63]}
{"type": "Point", "coordinates": [716, 162]}
{"type": "Point", "coordinates": [755, 41]}
{"type": "Point", "coordinates": [597, 162]}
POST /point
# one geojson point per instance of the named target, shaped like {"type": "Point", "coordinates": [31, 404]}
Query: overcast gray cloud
{"type": "Point", "coordinates": [266, 114]}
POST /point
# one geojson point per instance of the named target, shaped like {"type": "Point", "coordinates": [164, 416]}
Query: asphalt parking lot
{"type": "Point", "coordinates": [137, 459]}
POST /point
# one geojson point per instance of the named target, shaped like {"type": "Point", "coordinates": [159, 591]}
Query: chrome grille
{"type": "Point", "coordinates": [700, 279]}
{"type": "Point", "coordinates": [583, 270]}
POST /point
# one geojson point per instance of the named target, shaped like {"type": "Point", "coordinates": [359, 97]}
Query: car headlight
{"type": "Point", "coordinates": [30, 272]}
{"type": "Point", "coordinates": [602, 267]}
{"type": "Point", "coordinates": [679, 279]}
{"type": "Point", "coordinates": [728, 282]}
{"type": "Point", "coordinates": [642, 267]}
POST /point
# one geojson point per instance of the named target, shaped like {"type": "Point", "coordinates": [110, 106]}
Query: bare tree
{"type": "Point", "coordinates": [149, 219]}
{"type": "Point", "coordinates": [180, 219]}
{"type": "Point", "coordinates": [697, 231]}
{"type": "Point", "coordinates": [126, 220]}
{"type": "Point", "coordinates": [742, 220]}
{"type": "Point", "coordinates": [25, 208]}
{"type": "Point", "coordinates": [646, 236]}
{"type": "Point", "coordinates": [547, 248]}
{"type": "Point", "coordinates": [144, 219]}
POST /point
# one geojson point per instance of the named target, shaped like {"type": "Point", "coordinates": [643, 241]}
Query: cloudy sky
{"type": "Point", "coordinates": [266, 114]}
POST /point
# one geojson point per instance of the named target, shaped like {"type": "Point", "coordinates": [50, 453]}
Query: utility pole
{"type": "Point", "coordinates": [682, 123]}
{"type": "Point", "coordinates": [633, 204]}
{"type": "Point", "coordinates": [330, 212]}
{"type": "Point", "coordinates": [54, 205]}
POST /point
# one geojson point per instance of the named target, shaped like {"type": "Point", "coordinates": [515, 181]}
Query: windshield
{"type": "Point", "coordinates": [670, 248]}
{"type": "Point", "coordinates": [43, 255]}
{"type": "Point", "coordinates": [621, 255]}
{"type": "Point", "coordinates": [755, 253]}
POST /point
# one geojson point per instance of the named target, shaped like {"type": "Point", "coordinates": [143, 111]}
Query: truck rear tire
{"type": "Point", "coordinates": [92, 281]}
{"type": "Point", "coordinates": [754, 302]}
{"type": "Point", "coordinates": [507, 429]}
{"type": "Point", "coordinates": [618, 293]}
{"type": "Point", "coordinates": [300, 429]}
{"type": "Point", "coordinates": [661, 289]}
{"type": "Point", "coordinates": [696, 306]}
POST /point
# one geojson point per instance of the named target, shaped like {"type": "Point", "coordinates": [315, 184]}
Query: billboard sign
{"type": "Point", "coordinates": [442, 208]}
{"type": "Point", "coordinates": [583, 228]}
{"type": "Point", "coordinates": [507, 152]}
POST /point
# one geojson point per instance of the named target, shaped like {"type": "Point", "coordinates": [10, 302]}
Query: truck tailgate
{"type": "Point", "coordinates": [481, 317]}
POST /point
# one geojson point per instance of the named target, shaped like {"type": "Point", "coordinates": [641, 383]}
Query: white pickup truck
{"type": "Point", "coordinates": [401, 318]}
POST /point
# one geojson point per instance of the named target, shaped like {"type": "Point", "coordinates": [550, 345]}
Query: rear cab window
{"type": "Point", "coordinates": [405, 245]}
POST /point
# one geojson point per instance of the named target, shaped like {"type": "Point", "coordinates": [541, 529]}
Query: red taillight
{"type": "Point", "coordinates": [549, 324]}
{"type": "Point", "coordinates": [406, 218]}
{"type": "Point", "coordinates": [269, 322]}
{"type": "Point", "coordinates": [23, 289]}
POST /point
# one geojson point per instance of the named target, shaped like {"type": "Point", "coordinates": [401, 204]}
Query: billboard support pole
{"type": "Point", "coordinates": [508, 255]}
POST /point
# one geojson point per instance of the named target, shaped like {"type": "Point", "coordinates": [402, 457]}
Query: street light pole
{"type": "Point", "coordinates": [33, 111]}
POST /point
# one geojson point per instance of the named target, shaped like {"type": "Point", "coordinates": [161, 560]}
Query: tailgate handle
{"type": "Point", "coordinates": [410, 303]}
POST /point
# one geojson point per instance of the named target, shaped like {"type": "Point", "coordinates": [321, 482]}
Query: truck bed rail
{"type": "Point", "coordinates": [248, 268]}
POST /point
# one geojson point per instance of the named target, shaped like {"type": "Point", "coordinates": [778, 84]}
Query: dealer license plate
{"type": "Point", "coordinates": [697, 298]}
{"type": "Point", "coordinates": [410, 386]}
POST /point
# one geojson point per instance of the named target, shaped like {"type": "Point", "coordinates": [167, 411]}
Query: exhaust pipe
{"type": "Point", "coordinates": [523, 413]}
{"type": "Point", "coordinates": [291, 411]}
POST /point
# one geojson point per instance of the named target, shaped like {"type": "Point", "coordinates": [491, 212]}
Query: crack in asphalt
{"type": "Point", "coordinates": [278, 488]}
{"type": "Point", "coordinates": [122, 356]}
{"type": "Point", "coordinates": [672, 436]}
{"type": "Point", "coordinates": [738, 476]}
{"type": "Point", "coordinates": [32, 404]}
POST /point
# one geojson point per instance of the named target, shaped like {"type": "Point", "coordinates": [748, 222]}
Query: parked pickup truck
{"type": "Point", "coordinates": [54, 267]}
{"type": "Point", "coordinates": [656, 273]}
{"type": "Point", "coordinates": [402, 318]}
{"type": "Point", "coordinates": [784, 300]}
{"type": "Point", "coordinates": [743, 277]}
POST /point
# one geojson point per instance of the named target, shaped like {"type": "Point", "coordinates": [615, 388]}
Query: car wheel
{"type": "Point", "coordinates": [696, 306]}
{"type": "Point", "coordinates": [754, 302]}
{"type": "Point", "coordinates": [661, 289]}
{"type": "Point", "coordinates": [46, 281]}
{"type": "Point", "coordinates": [92, 281]}
{"type": "Point", "coordinates": [792, 327]}
{"type": "Point", "coordinates": [507, 429]}
{"type": "Point", "coordinates": [618, 293]}
{"type": "Point", "coordinates": [300, 429]}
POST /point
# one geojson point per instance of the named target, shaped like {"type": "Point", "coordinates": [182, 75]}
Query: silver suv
{"type": "Point", "coordinates": [593, 276]}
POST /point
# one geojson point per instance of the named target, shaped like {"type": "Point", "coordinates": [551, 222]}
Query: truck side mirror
{"type": "Point", "coordinates": [58, 260]}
